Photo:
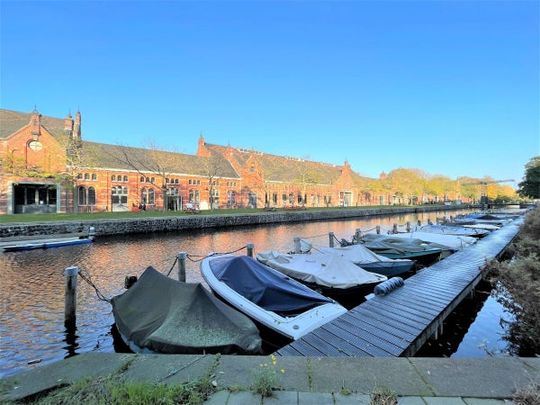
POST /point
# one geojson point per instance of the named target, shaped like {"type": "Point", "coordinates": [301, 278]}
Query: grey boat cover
{"type": "Point", "coordinates": [453, 230]}
{"type": "Point", "coordinates": [162, 315]}
{"type": "Point", "coordinates": [452, 242]}
{"type": "Point", "coordinates": [390, 244]}
{"type": "Point", "coordinates": [264, 286]}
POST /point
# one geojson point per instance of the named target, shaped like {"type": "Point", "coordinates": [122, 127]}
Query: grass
{"type": "Point", "coordinates": [528, 395]}
{"type": "Point", "coordinates": [25, 218]}
{"type": "Point", "coordinates": [113, 389]}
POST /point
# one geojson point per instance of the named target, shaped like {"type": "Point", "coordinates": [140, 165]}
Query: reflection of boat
{"type": "Point", "coordinates": [46, 243]}
{"type": "Point", "coordinates": [278, 303]}
{"type": "Point", "coordinates": [398, 248]}
{"type": "Point", "coordinates": [450, 229]}
{"type": "Point", "coordinates": [452, 242]}
{"type": "Point", "coordinates": [161, 315]}
{"type": "Point", "coordinates": [328, 273]}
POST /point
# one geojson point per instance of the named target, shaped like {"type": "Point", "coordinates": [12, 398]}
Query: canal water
{"type": "Point", "coordinates": [32, 288]}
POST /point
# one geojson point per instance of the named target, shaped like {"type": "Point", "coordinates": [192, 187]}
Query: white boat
{"type": "Point", "coordinates": [274, 300]}
{"type": "Point", "coordinates": [450, 229]}
{"type": "Point", "coordinates": [487, 227]}
{"type": "Point", "coordinates": [327, 272]}
{"type": "Point", "coordinates": [452, 242]}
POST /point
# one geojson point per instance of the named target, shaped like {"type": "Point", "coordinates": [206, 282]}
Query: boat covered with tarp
{"type": "Point", "coordinates": [452, 242]}
{"type": "Point", "coordinates": [453, 229]}
{"type": "Point", "coordinates": [272, 299]}
{"type": "Point", "coordinates": [399, 248]}
{"type": "Point", "coordinates": [329, 273]}
{"type": "Point", "coordinates": [161, 315]}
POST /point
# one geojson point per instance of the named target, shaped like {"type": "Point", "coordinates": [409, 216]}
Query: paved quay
{"type": "Point", "coordinates": [303, 380]}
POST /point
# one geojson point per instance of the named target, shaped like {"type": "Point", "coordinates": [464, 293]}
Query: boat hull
{"type": "Point", "coordinates": [46, 245]}
{"type": "Point", "coordinates": [388, 269]}
{"type": "Point", "coordinates": [424, 258]}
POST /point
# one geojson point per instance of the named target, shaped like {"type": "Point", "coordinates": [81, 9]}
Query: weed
{"type": "Point", "coordinates": [267, 379]}
{"type": "Point", "coordinates": [309, 374]}
{"type": "Point", "coordinates": [383, 396]}
{"type": "Point", "coordinates": [344, 390]}
{"type": "Point", "coordinates": [528, 395]}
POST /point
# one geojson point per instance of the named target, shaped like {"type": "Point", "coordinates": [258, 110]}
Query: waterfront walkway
{"type": "Point", "coordinates": [304, 380]}
{"type": "Point", "coordinates": [400, 323]}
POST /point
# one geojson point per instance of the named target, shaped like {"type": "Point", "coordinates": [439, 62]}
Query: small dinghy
{"type": "Point", "coordinates": [284, 307]}
{"type": "Point", "coordinates": [161, 315]}
{"type": "Point", "coordinates": [453, 243]}
{"type": "Point", "coordinates": [450, 229]}
{"type": "Point", "coordinates": [329, 273]}
{"type": "Point", "coordinates": [486, 227]}
{"type": "Point", "coordinates": [46, 244]}
{"type": "Point", "coordinates": [424, 253]}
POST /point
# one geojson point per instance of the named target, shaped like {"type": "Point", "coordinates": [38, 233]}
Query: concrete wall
{"type": "Point", "coordinates": [201, 221]}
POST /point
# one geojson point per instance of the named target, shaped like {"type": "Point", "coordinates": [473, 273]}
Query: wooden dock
{"type": "Point", "coordinates": [400, 323]}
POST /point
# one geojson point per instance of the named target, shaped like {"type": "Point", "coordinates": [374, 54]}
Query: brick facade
{"type": "Point", "coordinates": [48, 167]}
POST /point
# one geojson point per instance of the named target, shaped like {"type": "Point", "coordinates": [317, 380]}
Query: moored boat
{"type": "Point", "coordinates": [453, 243]}
{"type": "Point", "coordinates": [424, 253]}
{"type": "Point", "coordinates": [46, 244]}
{"type": "Point", "coordinates": [282, 306]}
{"type": "Point", "coordinates": [453, 229]}
{"type": "Point", "coordinates": [161, 315]}
{"type": "Point", "coordinates": [329, 273]}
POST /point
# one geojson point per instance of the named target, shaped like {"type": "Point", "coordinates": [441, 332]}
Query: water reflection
{"type": "Point", "coordinates": [32, 284]}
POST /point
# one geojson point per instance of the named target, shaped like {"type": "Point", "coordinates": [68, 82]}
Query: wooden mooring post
{"type": "Point", "coordinates": [394, 229]}
{"type": "Point", "coordinates": [357, 235]}
{"type": "Point", "coordinates": [378, 229]}
{"type": "Point", "coordinates": [182, 266]}
{"type": "Point", "coordinates": [408, 226]}
{"type": "Point", "coordinates": [297, 246]}
{"type": "Point", "coordinates": [331, 239]}
{"type": "Point", "coordinates": [249, 248]}
{"type": "Point", "coordinates": [419, 223]}
{"type": "Point", "coordinates": [70, 300]}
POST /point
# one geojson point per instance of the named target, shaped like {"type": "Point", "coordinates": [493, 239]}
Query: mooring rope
{"type": "Point", "coordinates": [86, 277]}
{"type": "Point", "coordinates": [201, 258]}
{"type": "Point", "coordinates": [172, 267]}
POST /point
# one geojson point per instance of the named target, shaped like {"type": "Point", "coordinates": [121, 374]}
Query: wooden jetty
{"type": "Point", "coordinates": [400, 323]}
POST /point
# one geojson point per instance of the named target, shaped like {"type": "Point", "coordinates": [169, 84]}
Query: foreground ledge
{"type": "Point", "coordinates": [496, 378]}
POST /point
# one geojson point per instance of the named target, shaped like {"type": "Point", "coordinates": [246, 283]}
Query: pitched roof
{"type": "Point", "coordinates": [130, 158]}
{"type": "Point", "coordinates": [282, 168]}
{"type": "Point", "coordinates": [12, 121]}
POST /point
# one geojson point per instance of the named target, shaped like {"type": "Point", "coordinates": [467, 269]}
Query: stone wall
{"type": "Point", "coordinates": [201, 221]}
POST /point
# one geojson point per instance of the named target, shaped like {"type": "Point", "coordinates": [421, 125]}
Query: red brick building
{"type": "Point", "coordinates": [46, 166]}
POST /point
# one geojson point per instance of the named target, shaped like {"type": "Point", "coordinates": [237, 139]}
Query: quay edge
{"type": "Point", "coordinates": [125, 226]}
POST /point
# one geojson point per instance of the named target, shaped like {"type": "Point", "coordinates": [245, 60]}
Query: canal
{"type": "Point", "coordinates": [32, 288]}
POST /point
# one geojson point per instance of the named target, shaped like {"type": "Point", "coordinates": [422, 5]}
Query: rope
{"type": "Point", "coordinates": [201, 258]}
{"type": "Point", "coordinates": [172, 267]}
{"type": "Point", "coordinates": [86, 277]}
{"type": "Point", "coordinates": [314, 236]}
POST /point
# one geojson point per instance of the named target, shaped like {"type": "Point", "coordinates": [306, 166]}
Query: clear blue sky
{"type": "Point", "coordinates": [451, 87]}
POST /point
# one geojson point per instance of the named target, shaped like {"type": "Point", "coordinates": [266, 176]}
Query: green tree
{"type": "Point", "coordinates": [530, 186]}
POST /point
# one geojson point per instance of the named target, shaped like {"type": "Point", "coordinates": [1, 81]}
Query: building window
{"type": "Point", "coordinates": [82, 195]}
{"type": "Point", "coordinates": [274, 198]}
{"type": "Point", "coordinates": [91, 196]}
{"type": "Point", "coordinates": [87, 176]}
{"type": "Point", "coordinates": [166, 180]}
{"type": "Point", "coordinates": [94, 177]}
{"type": "Point", "coordinates": [142, 179]}
{"type": "Point", "coordinates": [152, 179]}
{"type": "Point", "coordinates": [175, 181]}
{"type": "Point", "coordinates": [113, 177]}
{"type": "Point", "coordinates": [126, 178]}
{"type": "Point", "coordinates": [147, 179]}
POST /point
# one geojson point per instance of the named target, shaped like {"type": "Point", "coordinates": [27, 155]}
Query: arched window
{"type": "Point", "coordinates": [142, 179]}
{"type": "Point", "coordinates": [126, 178]}
{"type": "Point", "coordinates": [87, 176]}
{"type": "Point", "coordinates": [152, 179]}
{"type": "Point", "coordinates": [151, 196]}
{"type": "Point", "coordinates": [175, 181]}
{"type": "Point", "coordinates": [94, 176]}
{"type": "Point", "coordinates": [144, 196]}
{"type": "Point", "coordinates": [113, 177]}
{"type": "Point", "coordinates": [91, 196]}
{"type": "Point", "coordinates": [81, 191]}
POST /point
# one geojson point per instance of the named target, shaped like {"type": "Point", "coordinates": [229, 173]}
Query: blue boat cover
{"type": "Point", "coordinates": [265, 287]}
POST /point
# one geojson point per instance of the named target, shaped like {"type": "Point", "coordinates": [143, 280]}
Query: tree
{"type": "Point", "coordinates": [530, 186]}
{"type": "Point", "coordinates": [213, 166]}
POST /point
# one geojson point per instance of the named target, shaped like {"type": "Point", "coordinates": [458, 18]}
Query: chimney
{"type": "Point", "coordinates": [77, 127]}
{"type": "Point", "coordinates": [68, 125]}
{"type": "Point", "coordinates": [35, 122]}
{"type": "Point", "coordinates": [201, 147]}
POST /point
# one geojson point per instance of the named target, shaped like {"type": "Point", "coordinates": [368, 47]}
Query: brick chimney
{"type": "Point", "coordinates": [77, 127]}
{"type": "Point", "coordinates": [201, 147]}
{"type": "Point", "coordinates": [68, 125]}
{"type": "Point", "coordinates": [35, 122]}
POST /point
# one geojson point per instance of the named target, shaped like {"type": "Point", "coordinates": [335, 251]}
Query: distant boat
{"type": "Point", "coordinates": [285, 308]}
{"type": "Point", "coordinates": [453, 229]}
{"type": "Point", "coordinates": [161, 315]}
{"type": "Point", "coordinates": [424, 253]}
{"type": "Point", "coordinates": [46, 243]}
{"type": "Point", "coordinates": [451, 242]}
{"type": "Point", "coordinates": [329, 273]}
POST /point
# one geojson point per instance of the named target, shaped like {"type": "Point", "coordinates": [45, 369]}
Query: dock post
{"type": "Point", "coordinates": [419, 223]}
{"type": "Point", "coordinates": [357, 235]}
{"type": "Point", "coordinates": [70, 300]}
{"type": "Point", "coordinates": [408, 226]}
{"type": "Point", "coordinates": [429, 222]}
{"type": "Point", "coordinates": [394, 229]}
{"type": "Point", "coordinates": [451, 218]}
{"type": "Point", "coordinates": [91, 233]}
{"type": "Point", "coordinates": [297, 248]}
{"type": "Point", "coordinates": [331, 239]}
{"type": "Point", "coordinates": [182, 266]}
{"type": "Point", "coordinates": [378, 229]}
{"type": "Point", "coordinates": [249, 248]}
